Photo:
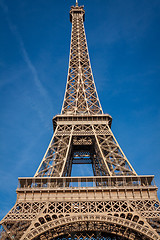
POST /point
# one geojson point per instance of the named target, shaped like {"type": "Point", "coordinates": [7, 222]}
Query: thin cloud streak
{"type": "Point", "coordinates": [24, 156]}
{"type": "Point", "coordinates": [26, 58]}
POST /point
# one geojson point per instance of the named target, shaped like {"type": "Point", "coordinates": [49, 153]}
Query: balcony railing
{"type": "Point", "coordinates": [86, 182]}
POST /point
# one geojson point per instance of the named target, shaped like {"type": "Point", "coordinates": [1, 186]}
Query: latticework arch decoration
{"type": "Point", "coordinates": [88, 222]}
{"type": "Point", "coordinates": [115, 202]}
{"type": "Point", "coordinates": [28, 211]}
{"type": "Point", "coordinates": [90, 235]}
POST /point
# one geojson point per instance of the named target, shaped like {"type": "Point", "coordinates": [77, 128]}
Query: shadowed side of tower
{"type": "Point", "coordinates": [115, 203]}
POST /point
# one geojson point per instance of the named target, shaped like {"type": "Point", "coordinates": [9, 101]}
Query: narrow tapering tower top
{"type": "Point", "coordinates": [81, 96]}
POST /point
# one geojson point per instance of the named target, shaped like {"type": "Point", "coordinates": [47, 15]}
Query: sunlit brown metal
{"type": "Point", "coordinates": [91, 132]}
{"type": "Point", "coordinates": [115, 203]}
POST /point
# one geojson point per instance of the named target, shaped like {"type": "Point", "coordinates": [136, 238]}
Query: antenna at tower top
{"type": "Point", "coordinates": [76, 2]}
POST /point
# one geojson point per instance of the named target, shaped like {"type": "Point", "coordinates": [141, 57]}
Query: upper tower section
{"type": "Point", "coordinates": [77, 10]}
{"type": "Point", "coordinates": [81, 97]}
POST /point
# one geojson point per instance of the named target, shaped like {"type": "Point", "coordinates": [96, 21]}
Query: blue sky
{"type": "Point", "coordinates": [123, 39]}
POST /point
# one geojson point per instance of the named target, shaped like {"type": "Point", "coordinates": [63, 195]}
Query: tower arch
{"type": "Point", "coordinates": [107, 225]}
{"type": "Point", "coordinates": [115, 201]}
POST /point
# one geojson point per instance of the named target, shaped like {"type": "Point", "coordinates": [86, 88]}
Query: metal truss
{"type": "Point", "coordinates": [27, 211]}
{"type": "Point", "coordinates": [80, 96]}
{"type": "Point", "coordinates": [135, 216]}
{"type": "Point", "coordinates": [114, 204]}
{"type": "Point", "coordinates": [71, 140]}
{"type": "Point", "coordinates": [90, 236]}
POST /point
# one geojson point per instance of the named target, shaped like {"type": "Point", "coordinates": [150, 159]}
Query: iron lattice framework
{"type": "Point", "coordinates": [115, 203]}
{"type": "Point", "coordinates": [81, 96]}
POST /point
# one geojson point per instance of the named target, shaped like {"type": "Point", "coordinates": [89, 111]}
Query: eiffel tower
{"type": "Point", "coordinates": [115, 203]}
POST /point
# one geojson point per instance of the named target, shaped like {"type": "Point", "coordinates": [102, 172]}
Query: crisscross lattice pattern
{"type": "Point", "coordinates": [90, 236]}
{"type": "Point", "coordinates": [81, 95]}
{"type": "Point", "coordinates": [108, 210]}
{"type": "Point", "coordinates": [104, 152]}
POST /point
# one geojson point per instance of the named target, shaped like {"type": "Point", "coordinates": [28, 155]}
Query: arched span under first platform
{"type": "Point", "coordinates": [110, 227]}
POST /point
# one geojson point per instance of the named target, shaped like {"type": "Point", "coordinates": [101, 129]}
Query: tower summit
{"type": "Point", "coordinates": [115, 203]}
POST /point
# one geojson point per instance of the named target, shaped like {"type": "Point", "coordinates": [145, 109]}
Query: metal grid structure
{"type": "Point", "coordinates": [80, 96]}
{"type": "Point", "coordinates": [89, 135]}
{"type": "Point", "coordinates": [114, 204]}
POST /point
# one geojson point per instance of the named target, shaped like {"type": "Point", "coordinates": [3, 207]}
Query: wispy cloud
{"type": "Point", "coordinates": [25, 154]}
{"type": "Point", "coordinates": [25, 55]}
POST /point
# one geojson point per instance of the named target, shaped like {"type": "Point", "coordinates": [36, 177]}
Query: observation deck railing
{"type": "Point", "coordinates": [86, 182]}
